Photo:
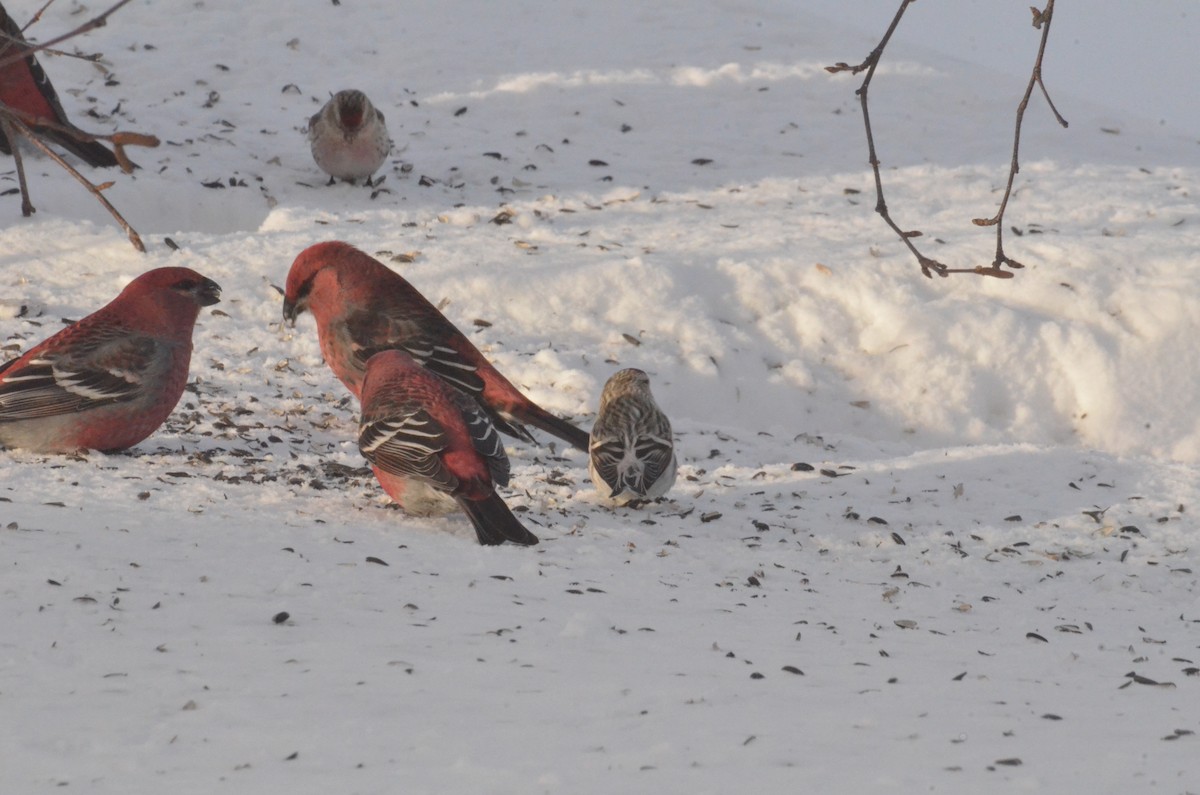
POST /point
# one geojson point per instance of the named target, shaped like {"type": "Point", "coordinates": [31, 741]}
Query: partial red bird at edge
{"type": "Point", "coordinates": [110, 380]}
{"type": "Point", "coordinates": [362, 307]}
{"type": "Point", "coordinates": [417, 432]}
{"type": "Point", "coordinates": [26, 89]}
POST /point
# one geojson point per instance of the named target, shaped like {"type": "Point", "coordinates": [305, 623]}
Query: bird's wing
{"type": "Point", "coordinates": [606, 452]}
{"type": "Point", "coordinates": [484, 436]}
{"type": "Point", "coordinates": [655, 453]}
{"type": "Point", "coordinates": [408, 444]}
{"type": "Point", "coordinates": [314, 126]}
{"type": "Point", "coordinates": [445, 362]}
{"type": "Point", "coordinates": [26, 88]}
{"type": "Point", "coordinates": [631, 446]}
{"type": "Point", "coordinates": [109, 368]}
{"type": "Point", "coordinates": [371, 332]}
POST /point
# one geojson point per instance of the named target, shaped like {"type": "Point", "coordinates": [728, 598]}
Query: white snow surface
{"type": "Point", "coordinates": [928, 534]}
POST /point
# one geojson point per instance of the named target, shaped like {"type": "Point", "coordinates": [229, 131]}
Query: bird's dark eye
{"type": "Point", "coordinates": [186, 285]}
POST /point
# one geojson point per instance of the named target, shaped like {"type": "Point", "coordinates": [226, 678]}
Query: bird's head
{"type": "Point", "coordinates": [630, 381]}
{"type": "Point", "coordinates": [310, 262]}
{"type": "Point", "coordinates": [182, 282]}
{"type": "Point", "coordinates": [630, 378]}
{"type": "Point", "coordinates": [352, 108]}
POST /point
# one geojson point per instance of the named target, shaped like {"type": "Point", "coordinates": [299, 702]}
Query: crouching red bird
{"type": "Point", "coordinates": [111, 379]}
{"type": "Point", "coordinates": [363, 307]}
{"type": "Point", "coordinates": [26, 89]}
{"type": "Point", "coordinates": [422, 435]}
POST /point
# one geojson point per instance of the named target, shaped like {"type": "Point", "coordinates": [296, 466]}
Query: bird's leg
{"type": "Point", "coordinates": [27, 208]}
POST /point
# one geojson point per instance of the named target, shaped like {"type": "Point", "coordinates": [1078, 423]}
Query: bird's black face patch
{"type": "Point", "coordinates": [203, 291]}
{"type": "Point", "coordinates": [293, 308]}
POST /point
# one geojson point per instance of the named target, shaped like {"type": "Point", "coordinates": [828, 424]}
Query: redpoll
{"type": "Point", "coordinates": [349, 138]}
{"type": "Point", "coordinates": [632, 453]}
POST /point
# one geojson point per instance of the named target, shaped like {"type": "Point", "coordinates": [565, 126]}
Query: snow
{"type": "Point", "coordinates": [927, 535]}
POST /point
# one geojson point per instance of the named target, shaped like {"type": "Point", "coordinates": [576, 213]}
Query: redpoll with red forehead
{"type": "Point", "coordinates": [110, 380]}
{"type": "Point", "coordinates": [632, 453]}
{"type": "Point", "coordinates": [348, 136]}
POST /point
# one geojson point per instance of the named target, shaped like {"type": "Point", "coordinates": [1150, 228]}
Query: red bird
{"type": "Point", "coordinates": [421, 434]}
{"type": "Point", "coordinates": [110, 380]}
{"type": "Point", "coordinates": [362, 307]}
{"type": "Point", "coordinates": [25, 88]}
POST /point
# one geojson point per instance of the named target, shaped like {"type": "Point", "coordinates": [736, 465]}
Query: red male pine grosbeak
{"type": "Point", "coordinates": [421, 434]}
{"type": "Point", "coordinates": [108, 381]}
{"type": "Point", "coordinates": [26, 89]}
{"type": "Point", "coordinates": [632, 453]}
{"type": "Point", "coordinates": [349, 138]}
{"type": "Point", "coordinates": [362, 307]}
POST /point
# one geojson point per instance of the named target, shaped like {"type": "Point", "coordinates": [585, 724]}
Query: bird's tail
{"type": "Point", "coordinates": [556, 426]}
{"type": "Point", "coordinates": [494, 522]}
{"type": "Point", "coordinates": [509, 426]}
{"type": "Point", "coordinates": [93, 153]}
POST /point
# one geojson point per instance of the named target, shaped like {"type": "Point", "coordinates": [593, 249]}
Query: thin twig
{"type": "Point", "coordinates": [16, 124]}
{"type": "Point", "coordinates": [86, 27]}
{"type": "Point", "coordinates": [23, 49]}
{"type": "Point", "coordinates": [1041, 19]}
{"type": "Point", "coordinates": [93, 57]}
{"type": "Point", "coordinates": [930, 266]}
{"type": "Point", "coordinates": [119, 139]}
{"type": "Point", "coordinates": [34, 19]}
{"type": "Point", "coordinates": [95, 190]}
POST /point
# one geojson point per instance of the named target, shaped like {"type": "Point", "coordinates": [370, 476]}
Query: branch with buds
{"type": "Point", "coordinates": [930, 266]}
{"type": "Point", "coordinates": [15, 123]}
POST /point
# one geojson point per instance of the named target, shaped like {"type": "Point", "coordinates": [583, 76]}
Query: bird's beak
{"type": "Point", "coordinates": [208, 293]}
{"type": "Point", "coordinates": [291, 310]}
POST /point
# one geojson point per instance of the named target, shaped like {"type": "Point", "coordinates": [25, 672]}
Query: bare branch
{"type": "Point", "coordinates": [93, 57]}
{"type": "Point", "coordinates": [930, 266]}
{"type": "Point", "coordinates": [15, 125]}
{"type": "Point", "coordinates": [30, 49]}
{"type": "Point", "coordinates": [1041, 19]}
{"type": "Point", "coordinates": [118, 139]}
{"type": "Point", "coordinates": [36, 17]}
{"type": "Point", "coordinates": [121, 139]}
{"type": "Point", "coordinates": [872, 58]}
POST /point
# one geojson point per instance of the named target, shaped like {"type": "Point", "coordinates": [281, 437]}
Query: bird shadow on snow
{"type": "Point", "coordinates": [831, 492]}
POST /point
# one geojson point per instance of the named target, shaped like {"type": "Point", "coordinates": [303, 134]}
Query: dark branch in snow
{"type": "Point", "coordinates": [930, 266]}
